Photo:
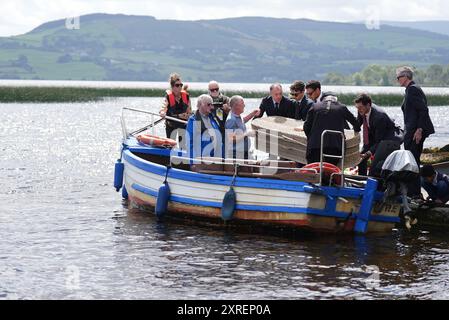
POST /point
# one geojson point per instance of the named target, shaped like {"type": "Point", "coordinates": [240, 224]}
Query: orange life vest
{"type": "Point", "coordinates": [172, 100]}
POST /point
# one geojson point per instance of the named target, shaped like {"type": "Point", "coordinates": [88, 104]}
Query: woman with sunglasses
{"type": "Point", "coordinates": [176, 105]}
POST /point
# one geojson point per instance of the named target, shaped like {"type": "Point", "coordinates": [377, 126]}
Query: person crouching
{"type": "Point", "coordinates": [436, 184]}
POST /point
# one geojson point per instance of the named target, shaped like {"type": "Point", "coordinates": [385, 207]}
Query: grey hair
{"type": "Point", "coordinates": [212, 82]}
{"type": "Point", "coordinates": [234, 100]}
{"type": "Point", "coordinates": [203, 99]}
{"type": "Point", "coordinates": [275, 85]}
{"type": "Point", "coordinates": [405, 72]}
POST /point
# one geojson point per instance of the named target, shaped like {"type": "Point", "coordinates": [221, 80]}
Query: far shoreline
{"type": "Point", "coordinates": [59, 94]}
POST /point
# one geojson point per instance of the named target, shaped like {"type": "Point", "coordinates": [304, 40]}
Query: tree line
{"type": "Point", "coordinates": [377, 75]}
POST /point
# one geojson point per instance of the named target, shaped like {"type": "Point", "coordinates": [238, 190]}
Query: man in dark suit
{"type": "Point", "coordinates": [313, 89]}
{"type": "Point", "coordinates": [302, 103]}
{"type": "Point", "coordinates": [377, 127]}
{"type": "Point", "coordinates": [276, 104]}
{"type": "Point", "coordinates": [417, 122]}
{"type": "Point", "coordinates": [327, 115]}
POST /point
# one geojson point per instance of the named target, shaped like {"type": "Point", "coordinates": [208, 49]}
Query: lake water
{"type": "Point", "coordinates": [66, 234]}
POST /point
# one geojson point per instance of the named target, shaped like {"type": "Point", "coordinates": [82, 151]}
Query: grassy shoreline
{"type": "Point", "coordinates": [72, 94]}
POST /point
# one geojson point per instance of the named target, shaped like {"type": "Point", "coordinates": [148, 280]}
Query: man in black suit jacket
{"type": "Point", "coordinates": [327, 115]}
{"type": "Point", "coordinates": [417, 122]}
{"type": "Point", "coordinates": [276, 104]}
{"type": "Point", "coordinates": [302, 103]}
{"type": "Point", "coordinates": [377, 127]}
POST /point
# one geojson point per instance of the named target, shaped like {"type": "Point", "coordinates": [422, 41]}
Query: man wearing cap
{"type": "Point", "coordinates": [417, 122]}
{"type": "Point", "coordinates": [327, 115]}
{"type": "Point", "coordinates": [301, 102]}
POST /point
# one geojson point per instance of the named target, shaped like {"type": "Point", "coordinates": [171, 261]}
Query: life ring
{"type": "Point", "coordinates": [328, 170]}
{"type": "Point", "coordinates": [156, 141]}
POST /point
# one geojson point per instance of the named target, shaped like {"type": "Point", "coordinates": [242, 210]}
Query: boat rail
{"type": "Point", "coordinates": [153, 122]}
{"type": "Point", "coordinates": [238, 163]}
{"type": "Point", "coordinates": [342, 156]}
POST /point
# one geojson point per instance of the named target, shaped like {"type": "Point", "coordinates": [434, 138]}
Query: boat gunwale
{"type": "Point", "coordinates": [251, 182]}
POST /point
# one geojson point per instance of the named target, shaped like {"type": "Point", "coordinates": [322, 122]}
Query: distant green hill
{"type": "Point", "coordinates": [121, 47]}
{"type": "Point", "coordinates": [432, 26]}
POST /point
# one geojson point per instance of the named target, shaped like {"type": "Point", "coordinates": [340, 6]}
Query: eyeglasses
{"type": "Point", "coordinates": [294, 94]}
{"type": "Point", "coordinates": [178, 85]}
{"type": "Point", "coordinates": [214, 90]}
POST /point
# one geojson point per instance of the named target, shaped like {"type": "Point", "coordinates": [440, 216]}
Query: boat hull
{"type": "Point", "coordinates": [259, 201]}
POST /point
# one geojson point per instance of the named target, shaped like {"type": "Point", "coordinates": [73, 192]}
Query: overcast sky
{"type": "Point", "coordinates": [20, 16]}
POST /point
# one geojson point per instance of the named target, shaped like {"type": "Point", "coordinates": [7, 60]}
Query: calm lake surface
{"type": "Point", "coordinates": [66, 234]}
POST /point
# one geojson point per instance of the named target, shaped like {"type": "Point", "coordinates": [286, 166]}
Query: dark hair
{"type": "Point", "coordinates": [173, 78]}
{"type": "Point", "coordinates": [298, 86]}
{"type": "Point", "coordinates": [427, 171]}
{"type": "Point", "coordinates": [364, 99]}
{"type": "Point", "coordinates": [313, 84]}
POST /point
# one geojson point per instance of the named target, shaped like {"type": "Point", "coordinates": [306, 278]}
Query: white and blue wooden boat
{"type": "Point", "coordinates": [260, 199]}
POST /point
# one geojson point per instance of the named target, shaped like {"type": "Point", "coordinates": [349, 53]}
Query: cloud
{"type": "Point", "coordinates": [20, 16]}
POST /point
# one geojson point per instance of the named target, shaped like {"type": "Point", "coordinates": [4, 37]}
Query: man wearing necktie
{"type": "Point", "coordinates": [276, 104]}
{"type": "Point", "coordinates": [313, 90]}
{"type": "Point", "coordinates": [417, 123]}
{"type": "Point", "coordinates": [376, 127]}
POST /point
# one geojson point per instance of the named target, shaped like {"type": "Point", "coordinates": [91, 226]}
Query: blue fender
{"type": "Point", "coordinates": [118, 175]}
{"type": "Point", "coordinates": [228, 205]}
{"type": "Point", "coordinates": [124, 193]}
{"type": "Point", "coordinates": [162, 200]}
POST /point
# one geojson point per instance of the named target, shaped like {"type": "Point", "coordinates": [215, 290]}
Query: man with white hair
{"type": "Point", "coordinates": [203, 132]}
{"type": "Point", "coordinates": [417, 122]}
{"type": "Point", "coordinates": [221, 104]}
{"type": "Point", "coordinates": [237, 141]}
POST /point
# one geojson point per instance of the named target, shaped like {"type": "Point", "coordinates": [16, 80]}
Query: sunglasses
{"type": "Point", "coordinates": [400, 77]}
{"type": "Point", "coordinates": [294, 94]}
{"type": "Point", "coordinates": [178, 85]}
{"type": "Point", "coordinates": [214, 90]}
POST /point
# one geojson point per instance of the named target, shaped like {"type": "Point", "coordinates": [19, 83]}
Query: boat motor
{"type": "Point", "coordinates": [399, 169]}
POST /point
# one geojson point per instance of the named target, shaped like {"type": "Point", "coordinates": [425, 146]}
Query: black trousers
{"type": "Point", "coordinates": [384, 149]}
{"type": "Point", "coordinates": [174, 129]}
{"type": "Point", "coordinates": [313, 155]}
{"type": "Point", "coordinates": [414, 187]}
{"type": "Point", "coordinates": [363, 167]}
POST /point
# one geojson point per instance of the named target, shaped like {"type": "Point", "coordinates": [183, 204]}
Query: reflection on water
{"type": "Point", "coordinates": [66, 233]}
